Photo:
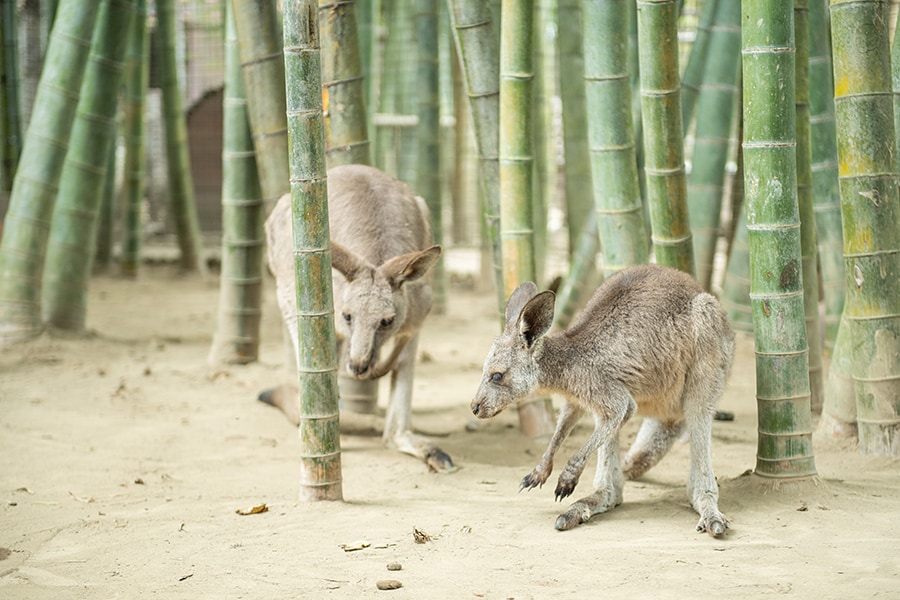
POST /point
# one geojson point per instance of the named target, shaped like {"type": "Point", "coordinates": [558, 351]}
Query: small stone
{"type": "Point", "coordinates": [394, 566]}
{"type": "Point", "coordinates": [388, 584]}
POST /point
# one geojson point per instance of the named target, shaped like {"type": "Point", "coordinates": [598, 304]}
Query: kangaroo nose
{"type": "Point", "coordinates": [358, 369]}
{"type": "Point", "coordinates": [476, 407]}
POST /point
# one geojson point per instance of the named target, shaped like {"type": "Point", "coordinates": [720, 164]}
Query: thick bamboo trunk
{"type": "Point", "coordinates": [773, 222]}
{"type": "Point", "coordinates": [320, 445]}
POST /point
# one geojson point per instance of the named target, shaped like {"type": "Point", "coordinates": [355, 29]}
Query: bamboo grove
{"type": "Point", "coordinates": [751, 144]}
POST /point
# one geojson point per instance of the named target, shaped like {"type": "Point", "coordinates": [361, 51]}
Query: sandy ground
{"type": "Point", "coordinates": [124, 456]}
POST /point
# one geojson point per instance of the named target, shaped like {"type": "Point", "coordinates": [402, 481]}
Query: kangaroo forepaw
{"type": "Point", "coordinates": [566, 485]}
{"type": "Point", "coordinates": [535, 479]}
{"type": "Point", "coordinates": [714, 524]}
{"type": "Point", "coordinates": [439, 461]}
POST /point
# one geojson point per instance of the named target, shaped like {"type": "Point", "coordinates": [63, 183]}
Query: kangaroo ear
{"type": "Point", "coordinates": [522, 294]}
{"type": "Point", "coordinates": [536, 317]}
{"type": "Point", "coordinates": [410, 267]}
{"type": "Point", "coordinates": [346, 262]}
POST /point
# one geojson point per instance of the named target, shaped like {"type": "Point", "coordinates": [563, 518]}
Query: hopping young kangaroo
{"type": "Point", "coordinates": [382, 253]}
{"type": "Point", "coordinates": [650, 340]}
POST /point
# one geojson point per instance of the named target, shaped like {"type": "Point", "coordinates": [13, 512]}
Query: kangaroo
{"type": "Point", "coordinates": [650, 340]}
{"type": "Point", "coordinates": [382, 253]}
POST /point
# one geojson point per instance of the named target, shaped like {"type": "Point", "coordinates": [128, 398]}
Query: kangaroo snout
{"type": "Point", "coordinates": [359, 369]}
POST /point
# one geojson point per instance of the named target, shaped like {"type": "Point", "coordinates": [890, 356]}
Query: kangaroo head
{"type": "Point", "coordinates": [374, 302]}
{"type": "Point", "coordinates": [510, 369]}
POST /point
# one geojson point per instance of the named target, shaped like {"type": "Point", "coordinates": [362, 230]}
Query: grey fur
{"type": "Point", "coordinates": [382, 254]}
{"type": "Point", "coordinates": [651, 341]}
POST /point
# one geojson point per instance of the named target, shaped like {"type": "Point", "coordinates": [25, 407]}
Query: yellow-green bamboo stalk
{"type": "Point", "coordinates": [27, 221]}
{"type": "Point", "coordinates": [784, 447]}
{"type": "Point", "coordinates": [870, 212]}
{"type": "Point", "coordinates": [11, 117]}
{"type": "Point", "coordinates": [320, 461]}
{"type": "Point", "coordinates": [241, 282]}
{"type": "Point", "coordinates": [137, 74]}
{"type": "Point", "coordinates": [343, 86]}
{"type": "Point", "coordinates": [663, 138]}
{"type": "Point", "coordinates": [70, 246]}
{"type": "Point", "coordinates": [617, 197]}
{"type": "Point", "coordinates": [696, 64]}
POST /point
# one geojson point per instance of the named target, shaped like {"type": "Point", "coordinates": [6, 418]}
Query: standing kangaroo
{"type": "Point", "coordinates": [650, 340]}
{"type": "Point", "coordinates": [382, 253]}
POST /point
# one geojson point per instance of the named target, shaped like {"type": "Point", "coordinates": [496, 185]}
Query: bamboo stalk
{"type": "Point", "coordinates": [871, 216]}
{"type": "Point", "coordinates": [72, 239]}
{"type": "Point", "coordinates": [696, 65]}
{"type": "Point", "coordinates": [11, 141]}
{"type": "Point", "coordinates": [27, 221]}
{"type": "Point", "coordinates": [663, 139]}
{"type": "Point", "coordinates": [784, 448]}
{"type": "Point", "coordinates": [826, 192]}
{"type": "Point", "coordinates": [262, 65]}
{"type": "Point", "coordinates": [320, 461]}
{"type": "Point", "coordinates": [717, 98]}
{"type": "Point", "coordinates": [343, 85]}
{"type": "Point", "coordinates": [617, 199]}
{"type": "Point", "coordinates": [137, 74]}
{"type": "Point", "coordinates": [243, 212]}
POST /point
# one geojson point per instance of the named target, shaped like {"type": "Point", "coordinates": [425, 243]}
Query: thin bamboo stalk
{"type": "Point", "coordinates": [663, 139]}
{"type": "Point", "coordinates": [807, 214]}
{"type": "Point", "coordinates": [178, 158]}
{"type": "Point", "coordinates": [320, 461]}
{"type": "Point", "coordinates": [826, 192]}
{"type": "Point", "coordinates": [134, 169]}
{"type": "Point", "coordinates": [243, 212]}
{"type": "Point", "coordinates": [717, 98]}
{"type": "Point", "coordinates": [12, 109]}
{"type": "Point", "coordinates": [696, 65]}
{"type": "Point", "coordinates": [428, 167]}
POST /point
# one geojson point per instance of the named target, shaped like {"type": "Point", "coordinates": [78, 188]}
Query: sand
{"type": "Point", "coordinates": [124, 457]}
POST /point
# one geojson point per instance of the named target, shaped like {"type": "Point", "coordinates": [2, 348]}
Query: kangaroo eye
{"type": "Point", "coordinates": [496, 377]}
{"type": "Point", "coordinates": [387, 322]}
{"type": "Point", "coordinates": [347, 318]}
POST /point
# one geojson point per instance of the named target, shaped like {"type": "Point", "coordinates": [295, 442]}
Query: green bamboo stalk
{"type": "Point", "coordinates": [477, 49]}
{"type": "Point", "coordinates": [70, 246]}
{"type": "Point", "coordinates": [516, 155]}
{"type": "Point", "coordinates": [320, 462]}
{"type": "Point", "coordinates": [870, 214]}
{"type": "Point", "coordinates": [544, 188]}
{"type": "Point", "coordinates": [663, 143]}
{"type": "Point", "coordinates": [5, 179]}
{"type": "Point", "coordinates": [343, 85]}
{"type": "Point", "coordinates": [696, 65]}
{"type": "Point", "coordinates": [736, 286]}
{"type": "Point", "coordinates": [577, 165]}
{"type": "Point", "coordinates": [243, 212]}
{"type": "Point", "coordinates": [581, 272]}
{"type": "Point", "coordinates": [617, 199]}
{"type": "Point", "coordinates": [716, 102]}
{"type": "Point", "coordinates": [516, 149]}
{"type": "Point", "coordinates": [137, 75]}
{"type": "Point", "coordinates": [773, 222]}
{"type": "Point", "coordinates": [106, 216]}
{"type": "Point", "coordinates": [178, 159]}
{"type": "Point", "coordinates": [262, 64]}
{"type": "Point", "coordinates": [428, 167]}
{"type": "Point", "coordinates": [12, 113]}
{"type": "Point", "coordinates": [27, 221]}
{"type": "Point", "coordinates": [48, 16]}
{"type": "Point", "coordinates": [805, 202]}
{"type": "Point", "coordinates": [826, 192]}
